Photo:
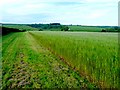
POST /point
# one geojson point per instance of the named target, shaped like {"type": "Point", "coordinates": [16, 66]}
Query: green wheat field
{"type": "Point", "coordinates": [59, 59]}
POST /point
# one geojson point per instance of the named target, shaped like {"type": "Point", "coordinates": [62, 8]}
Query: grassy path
{"type": "Point", "coordinates": [26, 64]}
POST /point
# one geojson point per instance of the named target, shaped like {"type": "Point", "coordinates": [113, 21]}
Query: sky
{"type": "Point", "coordinates": [82, 12]}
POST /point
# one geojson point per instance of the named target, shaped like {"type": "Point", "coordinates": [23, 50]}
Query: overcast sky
{"type": "Point", "coordinates": [83, 12]}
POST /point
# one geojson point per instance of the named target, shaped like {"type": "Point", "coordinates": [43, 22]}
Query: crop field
{"type": "Point", "coordinates": [27, 64]}
{"type": "Point", "coordinates": [85, 28]}
{"type": "Point", "coordinates": [54, 59]}
{"type": "Point", "coordinates": [94, 55]}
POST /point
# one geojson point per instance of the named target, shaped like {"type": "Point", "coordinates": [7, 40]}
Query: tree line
{"type": "Point", "coordinates": [6, 30]}
{"type": "Point", "coordinates": [112, 29]}
{"type": "Point", "coordinates": [50, 26]}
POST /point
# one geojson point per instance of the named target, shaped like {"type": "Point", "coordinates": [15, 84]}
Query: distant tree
{"type": "Point", "coordinates": [45, 27]}
{"type": "Point", "coordinates": [116, 28]}
{"type": "Point", "coordinates": [103, 30]}
{"type": "Point", "coordinates": [40, 29]}
{"type": "Point", "coordinates": [54, 23]}
{"type": "Point", "coordinates": [6, 30]}
{"type": "Point", "coordinates": [64, 28]}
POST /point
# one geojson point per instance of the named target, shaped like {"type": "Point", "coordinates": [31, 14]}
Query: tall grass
{"type": "Point", "coordinates": [26, 61]}
{"type": "Point", "coordinates": [94, 55]}
{"type": "Point", "coordinates": [0, 61]}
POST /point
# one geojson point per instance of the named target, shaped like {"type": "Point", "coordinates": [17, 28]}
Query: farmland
{"type": "Point", "coordinates": [56, 59]}
{"type": "Point", "coordinates": [72, 28]}
{"type": "Point", "coordinates": [85, 28]}
{"type": "Point", "coordinates": [27, 64]}
{"type": "Point", "coordinates": [94, 55]}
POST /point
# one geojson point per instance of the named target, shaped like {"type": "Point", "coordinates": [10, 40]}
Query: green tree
{"type": "Point", "coordinates": [64, 28]}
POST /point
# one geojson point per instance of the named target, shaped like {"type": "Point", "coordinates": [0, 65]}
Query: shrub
{"type": "Point", "coordinates": [64, 28]}
{"type": "Point", "coordinates": [40, 29]}
{"type": "Point", "coordinates": [103, 30]}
